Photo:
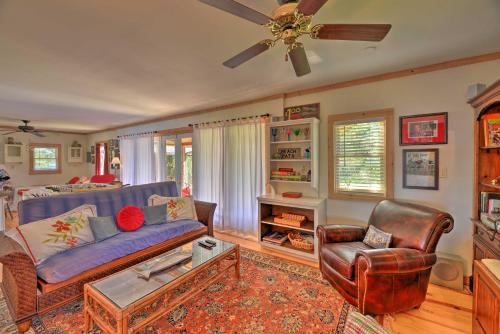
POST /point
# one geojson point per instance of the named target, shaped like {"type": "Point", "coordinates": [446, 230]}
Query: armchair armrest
{"type": "Point", "coordinates": [401, 275]}
{"type": "Point", "coordinates": [340, 233]}
{"type": "Point", "coordinates": [394, 260]}
{"type": "Point", "coordinates": [19, 280]}
{"type": "Point", "coordinates": [205, 212]}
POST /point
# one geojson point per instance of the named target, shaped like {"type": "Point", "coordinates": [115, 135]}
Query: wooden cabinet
{"type": "Point", "coordinates": [485, 319]}
{"type": "Point", "coordinates": [486, 241]}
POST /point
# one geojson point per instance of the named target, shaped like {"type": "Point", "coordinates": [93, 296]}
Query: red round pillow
{"type": "Point", "coordinates": [130, 218]}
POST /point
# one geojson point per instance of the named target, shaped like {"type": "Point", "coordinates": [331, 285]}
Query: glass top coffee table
{"type": "Point", "coordinates": [129, 300]}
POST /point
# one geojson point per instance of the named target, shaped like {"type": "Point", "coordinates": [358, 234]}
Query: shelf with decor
{"type": "Point", "coordinates": [292, 155]}
{"type": "Point", "coordinates": [282, 218]}
{"type": "Point", "coordinates": [291, 142]}
{"type": "Point", "coordinates": [486, 196]}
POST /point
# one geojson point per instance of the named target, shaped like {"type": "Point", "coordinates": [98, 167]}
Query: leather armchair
{"type": "Point", "coordinates": [388, 280]}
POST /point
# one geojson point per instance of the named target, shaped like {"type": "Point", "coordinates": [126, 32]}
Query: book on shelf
{"type": "Point", "coordinates": [276, 237]}
{"type": "Point", "coordinates": [491, 127]}
{"type": "Point", "coordinates": [485, 198]}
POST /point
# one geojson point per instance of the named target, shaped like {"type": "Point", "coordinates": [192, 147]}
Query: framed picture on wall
{"type": "Point", "coordinates": [425, 129]}
{"type": "Point", "coordinates": [421, 169]}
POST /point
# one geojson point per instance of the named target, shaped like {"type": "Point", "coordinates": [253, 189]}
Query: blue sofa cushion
{"type": "Point", "coordinates": [103, 227]}
{"type": "Point", "coordinates": [108, 202]}
{"type": "Point", "coordinates": [65, 265]}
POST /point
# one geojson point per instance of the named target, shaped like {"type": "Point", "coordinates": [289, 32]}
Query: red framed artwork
{"type": "Point", "coordinates": [425, 129]}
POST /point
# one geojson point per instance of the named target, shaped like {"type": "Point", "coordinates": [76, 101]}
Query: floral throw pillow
{"type": "Point", "coordinates": [50, 236]}
{"type": "Point", "coordinates": [177, 207]}
{"type": "Point", "coordinates": [377, 238]}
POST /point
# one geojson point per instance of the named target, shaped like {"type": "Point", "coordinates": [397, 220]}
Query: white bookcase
{"type": "Point", "coordinates": [293, 145]}
{"type": "Point", "coordinates": [13, 153]}
{"type": "Point", "coordinates": [75, 154]}
{"type": "Point", "coordinates": [272, 205]}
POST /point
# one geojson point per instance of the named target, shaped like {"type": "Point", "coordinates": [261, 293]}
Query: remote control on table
{"type": "Point", "coordinates": [210, 242]}
{"type": "Point", "coordinates": [205, 245]}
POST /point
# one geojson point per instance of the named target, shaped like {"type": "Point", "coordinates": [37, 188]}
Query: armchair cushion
{"type": "Point", "coordinates": [377, 238]}
{"type": "Point", "coordinates": [340, 233]}
{"type": "Point", "coordinates": [395, 260]}
{"type": "Point", "coordinates": [341, 256]}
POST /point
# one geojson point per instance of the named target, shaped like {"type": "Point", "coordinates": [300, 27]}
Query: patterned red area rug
{"type": "Point", "coordinates": [273, 296]}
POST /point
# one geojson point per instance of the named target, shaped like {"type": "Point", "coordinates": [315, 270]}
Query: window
{"type": "Point", "coordinates": [360, 155]}
{"type": "Point", "coordinates": [174, 159]}
{"type": "Point", "coordinates": [45, 158]}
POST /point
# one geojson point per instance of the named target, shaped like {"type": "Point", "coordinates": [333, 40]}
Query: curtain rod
{"type": "Point", "coordinates": [228, 120]}
{"type": "Point", "coordinates": [138, 134]}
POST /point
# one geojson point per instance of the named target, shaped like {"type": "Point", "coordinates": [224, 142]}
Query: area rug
{"type": "Point", "coordinates": [273, 296]}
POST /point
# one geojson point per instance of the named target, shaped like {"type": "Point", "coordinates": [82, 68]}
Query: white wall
{"type": "Point", "coordinates": [441, 91]}
{"type": "Point", "coordinates": [19, 172]}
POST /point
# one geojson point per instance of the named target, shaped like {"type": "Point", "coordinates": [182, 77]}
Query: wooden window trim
{"type": "Point", "coordinates": [32, 158]}
{"type": "Point", "coordinates": [176, 131]}
{"type": "Point", "coordinates": [388, 116]}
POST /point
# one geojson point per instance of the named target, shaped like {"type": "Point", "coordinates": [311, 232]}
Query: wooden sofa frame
{"type": "Point", "coordinates": [20, 282]}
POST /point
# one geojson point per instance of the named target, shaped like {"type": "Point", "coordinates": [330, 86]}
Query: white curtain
{"type": "Point", "coordinates": [208, 158]}
{"type": "Point", "coordinates": [229, 172]}
{"type": "Point", "coordinates": [137, 160]}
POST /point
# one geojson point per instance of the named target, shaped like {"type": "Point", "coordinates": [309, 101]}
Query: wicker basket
{"type": "Point", "coordinates": [297, 241]}
{"type": "Point", "coordinates": [290, 220]}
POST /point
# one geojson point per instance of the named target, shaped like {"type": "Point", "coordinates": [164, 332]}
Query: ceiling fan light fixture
{"type": "Point", "coordinates": [289, 22]}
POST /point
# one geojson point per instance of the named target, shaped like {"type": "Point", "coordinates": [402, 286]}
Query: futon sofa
{"type": "Point", "coordinates": [60, 278]}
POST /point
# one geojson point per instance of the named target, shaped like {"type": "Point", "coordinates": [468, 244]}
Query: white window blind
{"type": "Point", "coordinates": [360, 157]}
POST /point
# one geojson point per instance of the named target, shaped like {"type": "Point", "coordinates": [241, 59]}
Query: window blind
{"type": "Point", "coordinates": [360, 157]}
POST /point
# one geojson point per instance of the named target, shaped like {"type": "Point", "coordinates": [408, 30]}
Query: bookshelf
{"type": "Point", "coordinates": [271, 206]}
{"type": "Point", "coordinates": [486, 241]}
{"type": "Point", "coordinates": [293, 149]}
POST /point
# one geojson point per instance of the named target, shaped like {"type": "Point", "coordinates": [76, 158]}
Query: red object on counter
{"type": "Point", "coordinates": [292, 194]}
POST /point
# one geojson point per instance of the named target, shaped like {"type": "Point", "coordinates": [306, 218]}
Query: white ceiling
{"type": "Point", "coordinates": [85, 65]}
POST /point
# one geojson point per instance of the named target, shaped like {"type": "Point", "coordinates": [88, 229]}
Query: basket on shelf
{"type": "Point", "coordinates": [290, 220]}
{"type": "Point", "coordinates": [299, 241]}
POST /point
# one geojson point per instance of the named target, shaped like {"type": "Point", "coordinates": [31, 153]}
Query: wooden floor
{"type": "Point", "coordinates": [445, 311]}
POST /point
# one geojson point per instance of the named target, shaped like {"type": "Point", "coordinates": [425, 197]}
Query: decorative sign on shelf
{"type": "Point", "coordinates": [289, 153]}
{"type": "Point", "coordinates": [303, 111]}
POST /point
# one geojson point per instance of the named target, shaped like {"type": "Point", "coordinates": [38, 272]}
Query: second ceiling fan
{"type": "Point", "coordinates": [291, 20]}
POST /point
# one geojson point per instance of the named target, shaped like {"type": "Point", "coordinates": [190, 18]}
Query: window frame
{"type": "Point", "coordinates": [33, 171]}
{"type": "Point", "coordinates": [388, 116]}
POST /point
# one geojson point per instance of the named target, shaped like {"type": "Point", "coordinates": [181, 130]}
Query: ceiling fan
{"type": "Point", "coordinates": [291, 20]}
{"type": "Point", "coordinates": [26, 129]}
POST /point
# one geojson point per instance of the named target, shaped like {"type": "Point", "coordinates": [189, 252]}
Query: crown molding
{"type": "Point", "coordinates": [336, 85]}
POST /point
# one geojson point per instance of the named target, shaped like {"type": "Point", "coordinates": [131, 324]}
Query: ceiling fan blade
{"type": "Point", "coordinates": [310, 7]}
{"type": "Point", "coordinates": [38, 134]}
{"type": "Point", "coordinates": [8, 133]}
{"type": "Point", "coordinates": [239, 9]}
{"type": "Point", "coordinates": [249, 53]}
{"type": "Point", "coordinates": [351, 32]}
{"type": "Point", "coordinates": [299, 60]}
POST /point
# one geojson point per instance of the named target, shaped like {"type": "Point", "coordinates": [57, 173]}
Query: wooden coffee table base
{"type": "Point", "coordinates": [102, 312]}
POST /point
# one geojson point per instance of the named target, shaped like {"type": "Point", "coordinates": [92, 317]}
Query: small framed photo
{"type": "Point", "coordinates": [92, 149]}
{"type": "Point", "coordinates": [421, 169]}
{"type": "Point", "coordinates": [426, 129]}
